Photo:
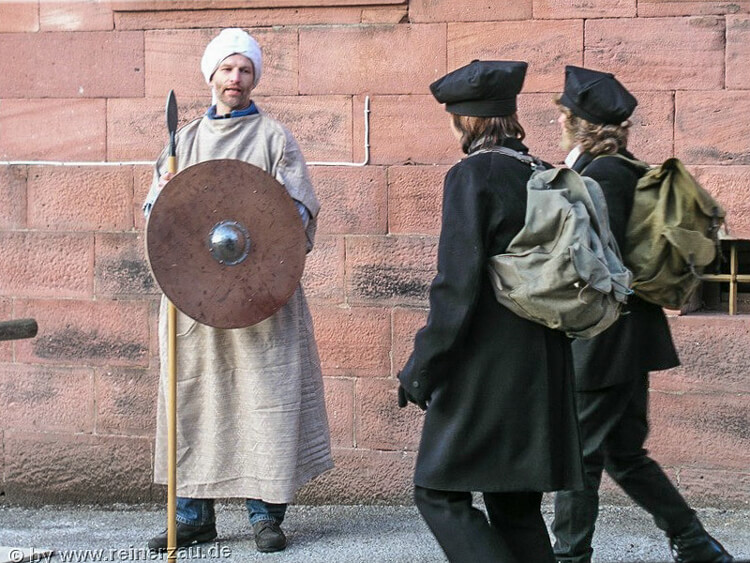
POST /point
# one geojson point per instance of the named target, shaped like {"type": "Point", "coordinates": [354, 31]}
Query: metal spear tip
{"type": "Point", "coordinates": [171, 112]}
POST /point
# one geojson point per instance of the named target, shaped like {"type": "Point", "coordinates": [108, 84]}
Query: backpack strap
{"type": "Point", "coordinates": [532, 161]}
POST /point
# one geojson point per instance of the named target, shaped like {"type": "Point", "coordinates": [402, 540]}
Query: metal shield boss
{"type": "Point", "coordinates": [226, 243]}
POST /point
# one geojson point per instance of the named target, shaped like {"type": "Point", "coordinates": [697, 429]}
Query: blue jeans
{"type": "Point", "coordinates": [200, 512]}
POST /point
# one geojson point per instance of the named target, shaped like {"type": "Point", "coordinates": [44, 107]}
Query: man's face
{"type": "Point", "coordinates": [232, 83]}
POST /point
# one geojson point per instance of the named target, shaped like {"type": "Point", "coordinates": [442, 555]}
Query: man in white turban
{"type": "Point", "coordinates": [251, 412]}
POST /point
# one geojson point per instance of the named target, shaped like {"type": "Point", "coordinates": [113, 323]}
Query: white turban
{"type": "Point", "coordinates": [231, 41]}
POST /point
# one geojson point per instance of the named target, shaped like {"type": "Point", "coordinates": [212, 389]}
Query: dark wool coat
{"type": "Point", "coordinates": [501, 413]}
{"type": "Point", "coordinates": [640, 340]}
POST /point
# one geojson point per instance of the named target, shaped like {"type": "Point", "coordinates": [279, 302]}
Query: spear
{"type": "Point", "coordinates": [171, 363]}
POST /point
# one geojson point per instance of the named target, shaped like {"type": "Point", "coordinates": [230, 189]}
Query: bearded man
{"type": "Point", "coordinates": [251, 414]}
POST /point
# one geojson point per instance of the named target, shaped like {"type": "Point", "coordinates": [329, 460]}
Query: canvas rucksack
{"type": "Point", "coordinates": [672, 233]}
{"type": "Point", "coordinates": [563, 269]}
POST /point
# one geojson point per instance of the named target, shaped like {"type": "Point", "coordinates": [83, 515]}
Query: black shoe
{"type": "Point", "coordinates": [268, 536]}
{"type": "Point", "coordinates": [186, 535]}
{"type": "Point", "coordinates": [695, 545]}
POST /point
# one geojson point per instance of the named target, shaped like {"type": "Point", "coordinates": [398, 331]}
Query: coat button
{"type": "Point", "coordinates": [415, 384]}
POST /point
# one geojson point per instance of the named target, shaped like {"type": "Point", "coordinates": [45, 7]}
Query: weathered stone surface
{"type": "Point", "coordinates": [18, 17]}
{"type": "Point", "coordinates": [6, 348]}
{"type": "Point", "coordinates": [43, 398]}
{"type": "Point", "coordinates": [340, 407]}
{"type": "Point", "coordinates": [714, 351]}
{"type": "Point", "coordinates": [476, 10]}
{"type": "Point", "coordinates": [353, 342]}
{"type": "Point", "coordinates": [564, 9]}
{"type": "Point", "coordinates": [68, 130]}
{"type": "Point", "coordinates": [656, 8]}
{"type": "Point", "coordinates": [380, 423]}
{"type": "Point", "coordinates": [406, 323]}
{"type": "Point", "coordinates": [390, 270]}
{"type": "Point", "coordinates": [730, 185]}
{"type": "Point", "coordinates": [653, 53]}
{"type": "Point", "coordinates": [710, 127]}
{"type": "Point", "coordinates": [738, 52]}
{"type": "Point", "coordinates": [399, 126]}
{"type": "Point", "coordinates": [75, 15]}
{"type": "Point", "coordinates": [107, 64]}
{"type": "Point", "coordinates": [363, 476]}
{"type": "Point", "coordinates": [416, 57]}
{"type": "Point", "coordinates": [323, 278]}
{"type": "Point", "coordinates": [77, 198]}
{"type": "Point", "coordinates": [13, 197]}
{"type": "Point", "coordinates": [709, 487]}
{"type": "Point", "coordinates": [353, 200]}
{"type": "Point", "coordinates": [126, 401]}
{"type": "Point", "coordinates": [38, 264]}
{"type": "Point", "coordinates": [173, 62]}
{"type": "Point", "coordinates": [546, 45]}
{"type": "Point", "coordinates": [121, 266]}
{"type": "Point", "coordinates": [86, 333]}
{"type": "Point", "coordinates": [415, 195]}
{"type": "Point", "coordinates": [82, 468]}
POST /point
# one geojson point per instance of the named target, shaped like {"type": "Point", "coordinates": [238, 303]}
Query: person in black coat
{"type": "Point", "coordinates": [497, 388]}
{"type": "Point", "coordinates": [612, 369]}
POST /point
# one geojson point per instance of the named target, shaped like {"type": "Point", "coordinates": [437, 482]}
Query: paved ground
{"type": "Point", "coordinates": [323, 534]}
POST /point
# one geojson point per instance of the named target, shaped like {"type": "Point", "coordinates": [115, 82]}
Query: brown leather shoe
{"type": "Point", "coordinates": [269, 536]}
{"type": "Point", "coordinates": [186, 535]}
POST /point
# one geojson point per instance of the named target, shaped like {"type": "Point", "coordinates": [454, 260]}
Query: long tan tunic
{"type": "Point", "coordinates": [251, 418]}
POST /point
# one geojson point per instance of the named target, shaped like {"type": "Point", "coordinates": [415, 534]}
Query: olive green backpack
{"type": "Point", "coordinates": [672, 233]}
{"type": "Point", "coordinates": [563, 269]}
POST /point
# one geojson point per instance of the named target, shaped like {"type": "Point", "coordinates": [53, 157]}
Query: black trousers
{"type": "Point", "coordinates": [614, 426]}
{"type": "Point", "coordinates": [515, 533]}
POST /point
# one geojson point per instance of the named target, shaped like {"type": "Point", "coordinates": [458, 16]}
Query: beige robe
{"type": "Point", "coordinates": [251, 418]}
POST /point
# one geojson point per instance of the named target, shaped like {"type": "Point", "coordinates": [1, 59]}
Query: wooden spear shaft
{"type": "Point", "coordinates": [172, 367]}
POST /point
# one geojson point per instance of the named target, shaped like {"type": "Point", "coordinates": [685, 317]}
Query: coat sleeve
{"type": "Point", "coordinates": [455, 289]}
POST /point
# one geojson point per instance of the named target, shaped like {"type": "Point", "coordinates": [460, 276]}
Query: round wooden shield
{"type": "Point", "coordinates": [225, 243]}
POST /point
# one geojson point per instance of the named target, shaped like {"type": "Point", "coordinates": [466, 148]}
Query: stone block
{"type": "Point", "coordinates": [406, 323]}
{"type": "Point", "coordinates": [96, 64]}
{"type": "Point", "coordinates": [363, 476]}
{"type": "Point", "coordinates": [42, 468]}
{"type": "Point", "coordinates": [710, 487]}
{"type": "Point", "coordinates": [39, 264]}
{"type": "Point", "coordinates": [44, 398]}
{"type": "Point", "coordinates": [75, 15]}
{"type": "Point", "coordinates": [173, 60]}
{"type": "Point", "coordinates": [80, 198]}
{"type": "Point", "coordinates": [400, 124]}
{"type": "Point", "coordinates": [121, 267]}
{"type": "Point", "coordinates": [653, 53]}
{"type": "Point", "coordinates": [69, 130]}
{"type": "Point", "coordinates": [323, 278]}
{"type": "Point", "coordinates": [340, 407]}
{"type": "Point", "coordinates": [353, 341]}
{"type": "Point", "coordinates": [142, 177]}
{"type": "Point", "coordinates": [126, 401]}
{"type": "Point", "coordinates": [380, 423]}
{"type": "Point", "coordinates": [86, 333]}
{"type": "Point", "coordinates": [546, 45]}
{"type": "Point", "coordinates": [391, 270]}
{"type": "Point", "coordinates": [585, 9]}
{"type": "Point", "coordinates": [738, 52]}
{"type": "Point", "coordinates": [13, 197]}
{"type": "Point", "coordinates": [714, 351]}
{"type": "Point", "coordinates": [19, 17]}
{"type": "Point", "coordinates": [415, 199]}
{"type": "Point", "coordinates": [700, 430]}
{"type": "Point", "coordinates": [658, 8]}
{"type": "Point", "coordinates": [730, 186]}
{"type": "Point", "coordinates": [6, 348]}
{"type": "Point", "coordinates": [415, 58]}
{"type": "Point", "coordinates": [711, 127]}
{"type": "Point", "coordinates": [477, 10]}
{"type": "Point", "coordinates": [353, 200]}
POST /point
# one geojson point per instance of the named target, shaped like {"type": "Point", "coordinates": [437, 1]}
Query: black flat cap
{"type": "Point", "coordinates": [481, 88]}
{"type": "Point", "coordinates": [596, 96]}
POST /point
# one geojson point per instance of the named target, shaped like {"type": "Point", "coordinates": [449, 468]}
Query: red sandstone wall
{"type": "Point", "coordinates": [86, 82]}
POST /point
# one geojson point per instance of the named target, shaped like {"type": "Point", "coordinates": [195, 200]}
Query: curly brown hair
{"type": "Point", "coordinates": [489, 130]}
{"type": "Point", "coordinates": [594, 138]}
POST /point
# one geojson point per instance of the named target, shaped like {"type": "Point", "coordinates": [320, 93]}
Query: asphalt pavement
{"type": "Point", "coordinates": [316, 534]}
